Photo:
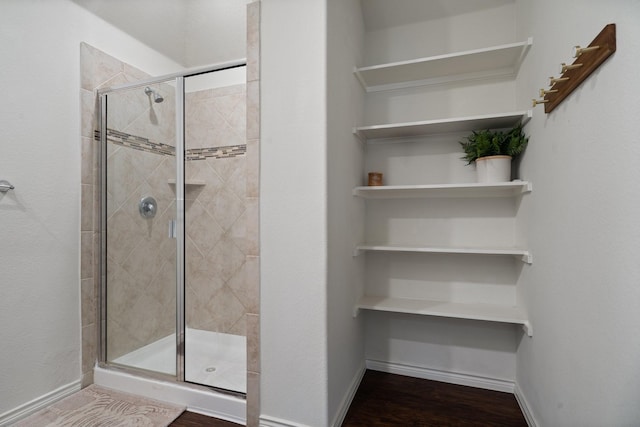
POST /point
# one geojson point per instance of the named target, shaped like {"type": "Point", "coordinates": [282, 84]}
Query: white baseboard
{"type": "Point", "coordinates": [22, 411]}
{"type": "Point", "coordinates": [525, 408]}
{"type": "Point", "coordinates": [266, 421]}
{"type": "Point", "coordinates": [443, 376]}
{"type": "Point", "coordinates": [348, 397]}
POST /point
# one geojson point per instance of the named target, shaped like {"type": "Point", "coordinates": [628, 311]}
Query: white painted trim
{"type": "Point", "coordinates": [525, 407]}
{"type": "Point", "coordinates": [266, 421]}
{"type": "Point", "coordinates": [22, 411]}
{"type": "Point", "coordinates": [348, 397]}
{"type": "Point", "coordinates": [443, 376]}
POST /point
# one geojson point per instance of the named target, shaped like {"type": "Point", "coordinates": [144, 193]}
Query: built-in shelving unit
{"type": "Point", "coordinates": [503, 60]}
{"type": "Point", "coordinates": [486, 312]}
{"type": "Point", "coordinates": [440, 126]}
{"type": "Point", "coordinates": [499, 189]}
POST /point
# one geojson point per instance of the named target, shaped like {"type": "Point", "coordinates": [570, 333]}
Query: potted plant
{"type": "Point", "coordinates": [492, 151]}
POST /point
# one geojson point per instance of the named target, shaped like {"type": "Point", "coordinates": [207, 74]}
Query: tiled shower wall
{"type": "Point", "coordinates": [101, 70]}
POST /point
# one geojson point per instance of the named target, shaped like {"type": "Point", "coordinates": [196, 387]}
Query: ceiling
{"type": "Point", "coordinates": [190, 32]}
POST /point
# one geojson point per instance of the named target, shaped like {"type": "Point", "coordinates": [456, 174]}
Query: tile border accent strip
{"type": "Point", "coordinates": [139, 143]}
{"type": "Point", "coordinates": [217, 152]}
{"type": "Point", "coordinates": [143, 144]}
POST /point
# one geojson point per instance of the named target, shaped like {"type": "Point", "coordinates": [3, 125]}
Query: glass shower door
{"type": "Point", "coordinates": [216, 248]}
{"type": "Point", "coordinates": [141, 210]}
{"type": "Point", "coordinates": [177, 247]}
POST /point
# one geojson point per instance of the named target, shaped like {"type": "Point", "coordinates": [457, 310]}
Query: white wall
{"type": "Point", "coordinates": [40, 231]}
{"type": "Point", "coordinates": [581, 366]}
{"type": "Point", "coordinates": [215, 31]}
{"type": "Point", "coordinates": [479, 25]}
{"type": "Point", "coordinates": [345, 158]}
{"type": "Point", "coordinates": [142, 19]}
{"type": "Point", "coordinates": [293, 212]}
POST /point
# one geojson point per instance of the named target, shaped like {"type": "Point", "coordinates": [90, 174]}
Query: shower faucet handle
{"type": "Point", "coordinates": [148, 207]}
{"type": "Point", "coordinates": [5, 186]}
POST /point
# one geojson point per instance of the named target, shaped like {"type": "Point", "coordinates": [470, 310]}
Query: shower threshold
{"type": "Point", "coordinates": [211, 358]}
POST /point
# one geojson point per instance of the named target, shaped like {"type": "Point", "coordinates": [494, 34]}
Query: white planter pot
{"type": "Point", "coordinates": [493, 169]}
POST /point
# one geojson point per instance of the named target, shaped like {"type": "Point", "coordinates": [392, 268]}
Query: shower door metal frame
{"type": "Point", "coordinates": [180, 270]}
{"type": "Point", "coordinates": [180, 216]}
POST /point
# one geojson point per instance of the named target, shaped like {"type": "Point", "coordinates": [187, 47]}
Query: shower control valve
{"type": "Point", "coordinates": [148, 207]}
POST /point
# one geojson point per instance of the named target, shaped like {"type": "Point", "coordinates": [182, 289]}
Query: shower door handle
{"type": "Point", "coordinates": [172, 229]}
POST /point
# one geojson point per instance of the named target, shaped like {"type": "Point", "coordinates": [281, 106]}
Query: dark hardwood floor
{"type": "Point", "coordinates": [393, 400]}
{"type": "Point", "coordinates": [191, 419]}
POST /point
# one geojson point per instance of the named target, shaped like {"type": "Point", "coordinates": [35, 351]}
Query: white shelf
{"type": "Point", "coordinates": [499, 189]}
{"type": "Point", "coordinates": [188, 182]}
{"type": "Point", "coordinates": [486, 312]}
{"type": "Point", "coordinates": [503, 60]}
{"type": "Point", "coordinates": [524, 255]}
{"type": "Point", "coordinates": [440, 126]}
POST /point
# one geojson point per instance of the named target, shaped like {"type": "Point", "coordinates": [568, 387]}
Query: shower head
{"type": "Point", "coordinates": [157, 98]}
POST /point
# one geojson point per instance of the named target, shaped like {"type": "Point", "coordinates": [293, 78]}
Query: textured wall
{"type": "Point", "coordinates": [581, 366]}
{"type": "Point", "coordinates": [345, 335]}
{"type": "Point", "coordinates": [293, 203]}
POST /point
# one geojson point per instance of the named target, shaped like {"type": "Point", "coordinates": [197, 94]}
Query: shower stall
{"type": "Point", "coordinates": [175, 241]}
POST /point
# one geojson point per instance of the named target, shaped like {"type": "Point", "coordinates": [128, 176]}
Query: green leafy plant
{"type": "Point", "coordinates": [485, 143]}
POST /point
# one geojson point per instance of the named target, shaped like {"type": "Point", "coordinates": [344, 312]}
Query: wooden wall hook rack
{"type": "Point", "coordinates": [590, 59]}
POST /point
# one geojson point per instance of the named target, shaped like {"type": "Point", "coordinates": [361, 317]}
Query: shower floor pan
{"type": "Point", "coordinates": [211, 358]}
